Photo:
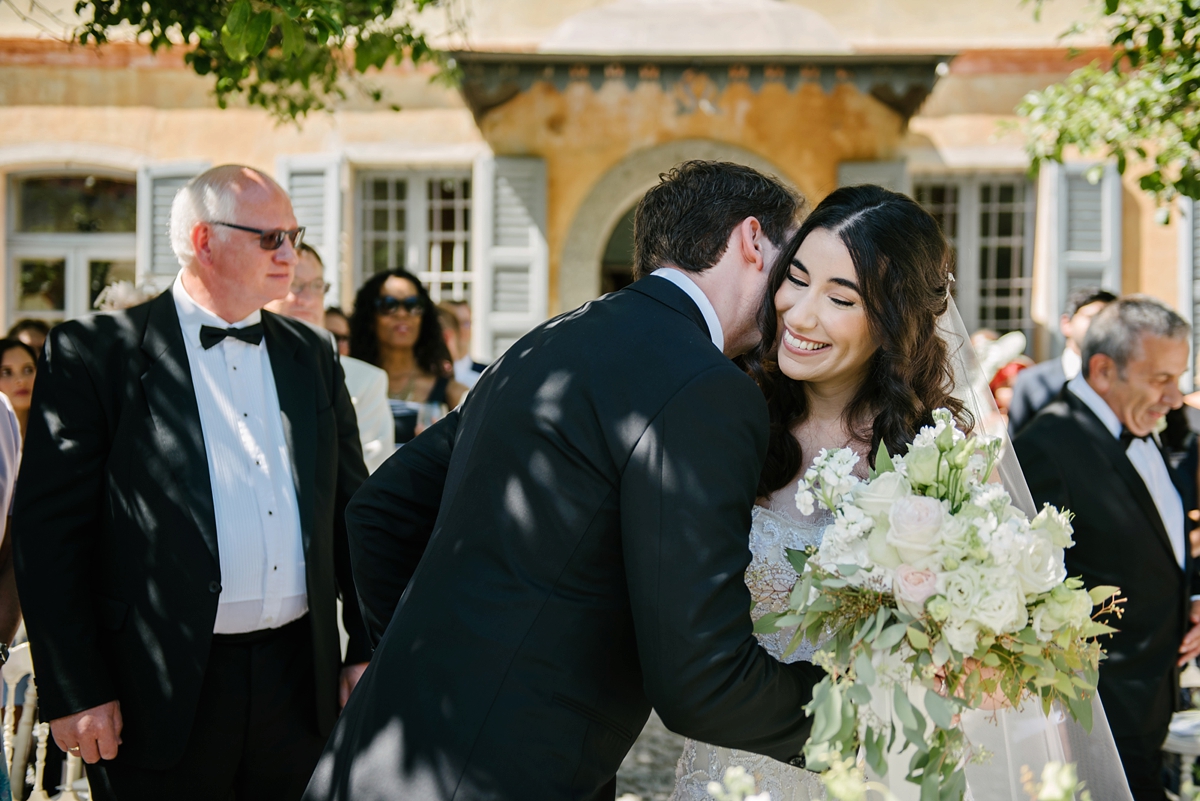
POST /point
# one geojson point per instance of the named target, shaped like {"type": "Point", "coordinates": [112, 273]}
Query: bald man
{"type": "Point", "coordinates": [179, 527]}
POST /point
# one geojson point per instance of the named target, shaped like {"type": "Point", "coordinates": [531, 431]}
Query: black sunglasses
{"type": "Point", "coordinates": [271, 238]}
{"type": "Point", "coordinates": [386, 304]}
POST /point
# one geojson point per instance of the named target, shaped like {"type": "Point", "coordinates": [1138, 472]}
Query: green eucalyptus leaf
{"type": "Point", "coordinates": [918, 638]}
{"type": "Point", "coordinates": [941, 710]}
{"type": "Point", "coordinates": [876, 751]}
{"type": "Point", "coordinates": [941, 652]}
{"type": "Point", "coordinates": [883, 460]}
{"type": "Point", "coordinates": [1102, 593]}
{"type": "Point", "coordinates": [798, 559]}
{"type": "Point", "coordinates": [864, 670]}
{"type": "Point", "coordinates": [860, 695]}
{"type": "Point", "coordinates": [768, 623]}
{"type": "Point", "coordinates": [890, 636]}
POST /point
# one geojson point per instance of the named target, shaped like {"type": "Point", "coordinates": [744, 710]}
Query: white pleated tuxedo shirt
{"type": "Point", "coordinates": [254, 496]}
{"type": "Point", "coordinates": [1147, 459]}
{"type": "Point", "coordinates": [680, 279]}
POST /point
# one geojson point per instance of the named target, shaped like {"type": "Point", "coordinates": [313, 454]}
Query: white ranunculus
{"type": "Point", "coordinates": [1000, 608]}
{"type": "Point", "coordinates": [962, 588]}
{"type": "Point", "coordinates": [1064, 607]}
{"type": "Point", "coordinates": [915, 522]}
{"type": "Point", "coordinates": [877, 497]}
{"type": "Point", "coordinates": [912, 587]}
{"type": "Point", "coordinates": [1039, 564]}
{"type": "Point", "coordinates": [1054, 524]}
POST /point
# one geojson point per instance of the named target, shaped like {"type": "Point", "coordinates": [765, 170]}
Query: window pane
{"type": "Point", "coordinates": [1004, 286]}
{"type": "Point", "coordinates": [106, 273]}
{"type": "Point", "coordinates": [74, 204]}
{"type": "Point", "coordinates": [40, 284]}
{"type": "Point", "coordinates": [379, 220]}
{"type": "Point", "coordinates": [380, 190]}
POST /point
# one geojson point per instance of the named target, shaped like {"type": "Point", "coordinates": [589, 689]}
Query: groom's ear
{"type": "Point", "coordinates": [751, 240]}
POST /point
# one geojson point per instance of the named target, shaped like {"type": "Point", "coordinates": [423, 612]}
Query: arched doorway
{"type": "Point", "coordinates": [581, 268]}
{"type": "Point", "coordinates": [616, 266]}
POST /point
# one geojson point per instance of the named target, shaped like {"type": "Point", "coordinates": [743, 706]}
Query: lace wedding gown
{"type": "Point", "coordinates": [770, 578]}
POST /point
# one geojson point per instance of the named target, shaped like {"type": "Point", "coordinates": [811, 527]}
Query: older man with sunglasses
{"type": "Point", "coordinates": [179, 526]}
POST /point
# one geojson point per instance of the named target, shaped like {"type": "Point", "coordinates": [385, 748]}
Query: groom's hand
{"type": "Point", "coordinates": [350, 676]}
{"type": "Point", "coordinates": [1189, 649]}
{"type": "Point", "coordinates": [93, 734]}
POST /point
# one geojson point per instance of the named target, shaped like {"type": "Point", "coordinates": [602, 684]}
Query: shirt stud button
{"type": "Point", "coordinates": [214, 587]}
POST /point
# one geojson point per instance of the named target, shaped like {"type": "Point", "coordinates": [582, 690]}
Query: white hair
{"type": "Point", "coordinates": [209, 197]}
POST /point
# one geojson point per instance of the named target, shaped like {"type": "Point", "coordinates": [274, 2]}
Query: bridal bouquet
{"type": "Point", "coordinates": [935, 594]}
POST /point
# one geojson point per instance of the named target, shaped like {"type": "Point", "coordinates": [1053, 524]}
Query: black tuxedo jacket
{"type": "Point", "coordinates": [115, 537]}
{"type": "Point", "coordinates": [1035, 388]}
{"type": "Point", "coordinates": [565, 552]}
{"type": "Point", "coordinates": [1072, 461]}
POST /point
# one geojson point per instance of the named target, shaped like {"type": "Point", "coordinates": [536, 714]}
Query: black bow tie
{"type": "Point", "coordinates": [1127, 438]}
{"type": "Point", "coordinates": [211, 335]}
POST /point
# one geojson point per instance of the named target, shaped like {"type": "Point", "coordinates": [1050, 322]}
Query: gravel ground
{"type": "Point", "coordinates": [648, 772]}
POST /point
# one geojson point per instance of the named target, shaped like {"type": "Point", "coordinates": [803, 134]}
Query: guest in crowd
{"type": "Point", "coordinates": [1093, 451]}
{"type": "Point", "coordinates": [32, 332]}
{"type": "Point", "coordinates": [366, 383]}
{"type": "Point", "coordinates": [1041, 384]}
{"type": "Point", "coordinates": [338, 324]}
{"type": "Point", "coordinates": [18, 369]}
{"type": "Point", "coordinates": [395, 326]}
{"type": "Point", "coordinates": [179, 527]}
{"type": "Point", "coordinates": [466, 369]}
{"type": "Point", "coordinates": [10, 605]}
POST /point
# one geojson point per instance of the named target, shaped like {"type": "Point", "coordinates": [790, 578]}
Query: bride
{"type": "Point", "coordinates": [852, 355]}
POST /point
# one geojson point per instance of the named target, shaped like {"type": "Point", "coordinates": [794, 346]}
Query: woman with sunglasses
{"type": "Point", "coordinates": [395, 326]}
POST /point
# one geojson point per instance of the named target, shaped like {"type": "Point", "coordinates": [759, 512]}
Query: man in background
{"type": "Point", "coordinates": [179, 529]}
{"type": "Point", "coordinates": [456, 315]}
{"type": "Point", "coordinates": [367, 384]}
{"type": "Point", "coordinates": [32, 332]}
{"type": "Point", "coordinates": [1040, 384]}
{"type": "Point", "coordinates": [1093, 450]}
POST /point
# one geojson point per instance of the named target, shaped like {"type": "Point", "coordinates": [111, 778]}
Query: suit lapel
{"type": "Point", "coordinates": [1111, 448]}
{"type": "Point", "coordinates": [295, 387]}
{"type": "Point", "coordinates": [171, 398]}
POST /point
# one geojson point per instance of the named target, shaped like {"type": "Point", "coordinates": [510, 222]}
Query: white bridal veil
{"type": "Point", "coordinates": [1023, 740]}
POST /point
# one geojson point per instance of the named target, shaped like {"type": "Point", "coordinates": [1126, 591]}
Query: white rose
{"type": "Point", "coordinates": [880, 552]}
{"type": "Point", "coordinates": [915, 523]}
{"type": "Point", "coordinates": [912, 587]}
{"type": "Point", "coordinates": [1039, 565]}
{"type": "Point", "coordinates": [1054, 524]}
{"type": "Point", "coordinates": [877, 497]}
{"type": "Point", "coordinates": [922, 465]}
{"type": "Point", "coordinates": [1000, 608]}
{"type": "Point", "coordinates": [962, 637]}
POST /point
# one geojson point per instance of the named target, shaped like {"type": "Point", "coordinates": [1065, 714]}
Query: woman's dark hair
{"type": "Point", "coordinates": [8, 344]}
{"type": "Point", "coordinates": [29, 324]}
{"type": "Point", "coordinates": [902, 264]}
{"type": "Point", "coordinates": [430, 351]}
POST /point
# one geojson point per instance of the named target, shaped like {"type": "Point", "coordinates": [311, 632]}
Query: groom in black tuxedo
{"type": "Point", "coordinates": [567, 550]}
{"type": "Point", "coordinates": [1094, 451]}
{"type": "Point", "coordinates": [179, 526]}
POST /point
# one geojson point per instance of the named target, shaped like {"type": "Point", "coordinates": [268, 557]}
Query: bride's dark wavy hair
{"type": "Point", "coordinates": [903, 265]}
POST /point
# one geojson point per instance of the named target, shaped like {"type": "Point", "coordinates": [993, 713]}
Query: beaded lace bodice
{"type": "Point", "coordinates": [770, 578]}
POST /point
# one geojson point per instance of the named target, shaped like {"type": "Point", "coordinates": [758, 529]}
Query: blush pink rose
{"type": "Point", "coordinates": [912, 588]}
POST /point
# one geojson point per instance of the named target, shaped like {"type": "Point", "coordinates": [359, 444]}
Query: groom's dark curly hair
{"type": "Point", "coordinates": [903, 266]}
{"type": "Point", "coordinates": [686, 220]}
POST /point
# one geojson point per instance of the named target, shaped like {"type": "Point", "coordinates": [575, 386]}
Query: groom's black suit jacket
{"type": "Point", "coordinates": [115, 536]}
{"type": "Point", "coordinates": [1072, 461]}
{"type": "Point", "coordinates": [592, 502]}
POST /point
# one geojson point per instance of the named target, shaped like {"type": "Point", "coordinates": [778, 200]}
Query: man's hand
{"type": "Point", "coordinates": [350, 676]}
{"type": "Point", "coordinates": [93, 734]}
{"type": "Point", "coordinates": [1189, 649]}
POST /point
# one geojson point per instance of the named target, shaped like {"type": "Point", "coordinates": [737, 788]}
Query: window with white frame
{"type": "Point", "coordinates": [988, 219]}
{"type": "Point", "coordinates": [419, 221]}
{"type": "Point", "coordinates": [69, 236]}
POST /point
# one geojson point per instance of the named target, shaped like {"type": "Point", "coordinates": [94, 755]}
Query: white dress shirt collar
{"type": "Point", "coordinates": [1072, 363]}
{"type": "Point", "coordinates": [1083, 390]}
{"type": "Point", "coordinates": [680, 279]}
{"type": "Point", "coordinates": [192, 315]}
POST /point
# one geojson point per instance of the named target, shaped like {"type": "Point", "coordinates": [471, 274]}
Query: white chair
{"type": "Point", "coordinates": [19, 737]}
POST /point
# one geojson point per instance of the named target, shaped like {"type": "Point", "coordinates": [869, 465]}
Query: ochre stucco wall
{"type": "Point", "coordinates": [583, 133]}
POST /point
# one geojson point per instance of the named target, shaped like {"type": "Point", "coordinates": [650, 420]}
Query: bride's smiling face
{"type": "Point", "coordinates": [824, 338]}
